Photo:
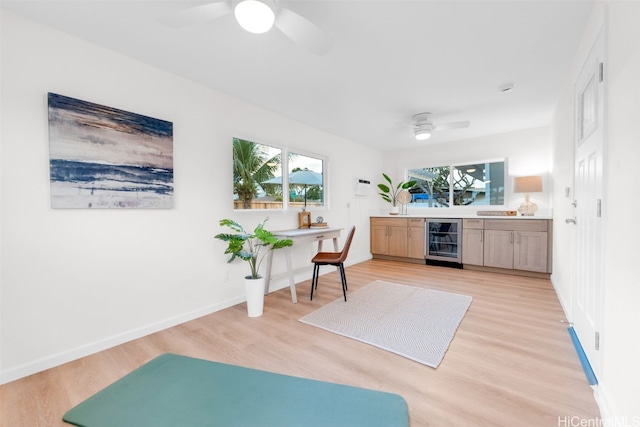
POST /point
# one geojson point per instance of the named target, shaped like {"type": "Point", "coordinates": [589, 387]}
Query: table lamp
{"type": "Point", "coordinates": [527, 184]}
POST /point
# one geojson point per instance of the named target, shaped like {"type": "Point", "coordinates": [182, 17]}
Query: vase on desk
{"type": "Point", "coordinates": [394, 210]}
{"type": "Point", "coordinates": [255, 295]}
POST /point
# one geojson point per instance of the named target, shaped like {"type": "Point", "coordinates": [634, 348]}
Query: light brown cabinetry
{"type": "Point", "coordinates": [416, 238]}
{"type": "Point", "coordinates": [512, 244]}
{"type": "Point", "coordinates": [389, 236]}
{"type": "Point", "coordinates": [531, 251]}
{"type": "Point", "coordinates": [397, 237]}
{"type": "Point", "coordinates": [498, 248]}
{"type": "Point", "coordinates": [379, 239]}
{"type": "Point", "coordinates": [473, 241]}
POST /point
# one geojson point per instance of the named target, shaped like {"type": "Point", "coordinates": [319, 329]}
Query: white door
{"type": "Point", "coordinates": [588, 176]}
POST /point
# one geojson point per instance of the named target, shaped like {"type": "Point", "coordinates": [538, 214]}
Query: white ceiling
{"type": "Point", "coordinates": [390, 59]}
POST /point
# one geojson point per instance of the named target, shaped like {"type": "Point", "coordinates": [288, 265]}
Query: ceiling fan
{"type": "Point", "coordinates": [257, 16]}
{"type": "Point", "coordinates": [423, 126]}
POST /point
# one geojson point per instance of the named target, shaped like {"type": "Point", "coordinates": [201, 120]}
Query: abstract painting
{"type": "Point", "coordinates": [102, 157]}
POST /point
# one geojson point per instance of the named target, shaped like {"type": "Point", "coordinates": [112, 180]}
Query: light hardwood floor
{"type": "Point", "coordinates": [511, 362]}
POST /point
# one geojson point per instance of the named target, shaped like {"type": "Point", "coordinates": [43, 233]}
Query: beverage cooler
{"type": "Point", "coordinates": [443, 238]}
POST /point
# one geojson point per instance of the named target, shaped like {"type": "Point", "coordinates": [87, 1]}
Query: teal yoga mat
{"type": "Point", "coordinates": [173, 390]}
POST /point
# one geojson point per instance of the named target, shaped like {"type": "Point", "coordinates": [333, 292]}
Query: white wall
{"type": "Point", "coordinates": [528, 152]}
{"type": "Point", "coordinates": [77, 281]}
{"type": "Point", "coordinates": [618, 392]}
{"type": "Point", "coordinates": [621, 381]}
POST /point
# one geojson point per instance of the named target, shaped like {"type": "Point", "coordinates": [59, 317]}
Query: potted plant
{"type": "Point", "coordinates": [249, 247]}
{"type": "Point", "coordinates": [390, 192]}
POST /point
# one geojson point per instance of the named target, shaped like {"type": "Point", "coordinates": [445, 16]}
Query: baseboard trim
{"type": "Point", "coordinates": [523, 273]}
{"type": "Point", "coordinates": [563, 303]}
{"type": "Point", "coordinates": [278, 282]}
{"type": "Point", "coordinates": [605, 404]}
{"type": "Point", "coordinates": [52, 361]}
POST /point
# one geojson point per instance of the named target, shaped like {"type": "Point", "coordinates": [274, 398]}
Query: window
{"type": "Point", "coordinates": [254, 165]}
{"type": "Point", "coordinates": [258, 177]}
{"type": "Point", "coordinates": [476, 184]}
{"type": "Point", "coordinates": [306, 182]}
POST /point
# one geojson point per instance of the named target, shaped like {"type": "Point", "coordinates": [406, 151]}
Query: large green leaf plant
{"type": "Point", "coordinates": [390, 192]}
{"type": "Point", "coordinates": [248, 247]}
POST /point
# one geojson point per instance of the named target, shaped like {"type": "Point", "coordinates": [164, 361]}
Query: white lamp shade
{"type": "Point", "coordinates": [254, 16]}
{"type": "Point", "coordinates": [527, 184]}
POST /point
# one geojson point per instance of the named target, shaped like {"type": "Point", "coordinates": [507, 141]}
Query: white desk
{"type": "Point", "coordinates": [299, 235]}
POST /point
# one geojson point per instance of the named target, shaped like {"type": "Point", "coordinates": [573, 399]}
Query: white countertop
{"type": "Point", "coordinates": [453, 215]}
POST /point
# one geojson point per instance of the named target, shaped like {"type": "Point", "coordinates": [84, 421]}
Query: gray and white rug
{"type": "Point", "coordinates": [413, 322]}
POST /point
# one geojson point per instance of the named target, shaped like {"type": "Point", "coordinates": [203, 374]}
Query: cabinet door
{"type": "Point", "coordinates": [415, 247]}
{"type": "Point", "coordinates": [473, 223]}
{"type": "Point", "coordinates": [530, 252]}
{"type": "Point", "coordinates": [498, 248]}
{"type": "Point", "coordinates": [398, 241]}
{"type": "Point", "coordinates": [472, 246]}
{"type": "Point", "coordinates": [379, 240]}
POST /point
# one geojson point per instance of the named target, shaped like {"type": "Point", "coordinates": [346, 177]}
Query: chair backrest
{"type": "Point", "coordinates": [347, 244]}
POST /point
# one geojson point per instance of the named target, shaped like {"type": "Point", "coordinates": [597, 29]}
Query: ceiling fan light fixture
{"type": "Point", "coordinates": [506, 88]}
{"type": "Point", "coordinates": [254, 16]}
{"type": "Point", "coordinates": [422, 135]}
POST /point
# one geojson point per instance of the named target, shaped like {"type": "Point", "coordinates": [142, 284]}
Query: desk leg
{"type": "Point", "coordinates": [267, 277]}
{"type": "Point", "coordinates": [292, 283]}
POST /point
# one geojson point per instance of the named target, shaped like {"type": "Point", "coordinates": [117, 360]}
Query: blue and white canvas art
{"type": "Point", "coordinates": [102, 157]}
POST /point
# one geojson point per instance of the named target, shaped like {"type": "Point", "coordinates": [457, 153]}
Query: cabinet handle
{"type": "Point", "coordinates": [481, 236]}
{"type": "Point", "coordinates": [511, 237]}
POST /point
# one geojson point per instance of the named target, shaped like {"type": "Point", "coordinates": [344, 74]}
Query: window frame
{"type": "Point", "coordinates": [325, 198]}
{"type": "Point", "coordinates": [453, 166]}
{"type": "Point", "coordinates": [285, 152]}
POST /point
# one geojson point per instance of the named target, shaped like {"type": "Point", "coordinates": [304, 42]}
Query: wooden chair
{"type": "Point", "coordinates": [333, 258]}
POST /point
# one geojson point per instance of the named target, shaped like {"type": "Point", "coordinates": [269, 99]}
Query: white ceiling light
{"type": "Point", "coordinates": [422, 134]}
{"type": "Point", "coordinates": [254, 16]}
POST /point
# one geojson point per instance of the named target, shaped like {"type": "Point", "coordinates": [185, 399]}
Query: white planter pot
{"type": "Point", "coordinates": [394, 210]}
{"type": "Point", "coordinates": [255, 296]}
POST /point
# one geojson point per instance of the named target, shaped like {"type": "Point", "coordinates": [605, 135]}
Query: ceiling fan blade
{"type": "Point", "coordinates": [197, 14]}
{"type": "Point", "coordinates": [303, 32]}
{"type": "Point", "coordinates": [452, 125]}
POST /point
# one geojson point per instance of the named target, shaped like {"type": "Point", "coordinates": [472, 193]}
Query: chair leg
{"type": "Point", "coordinates": [344, 281]}
{"type": "Point", "coordinates": [314, 279]}
{"type": "Point", "coordinates": [344, 277]}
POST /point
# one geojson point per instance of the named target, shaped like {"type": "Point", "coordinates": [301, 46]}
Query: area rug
{"type": "Point", "coordinates": [173, 390]}
{"type": "Point", "coordinates": [413, 322]}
